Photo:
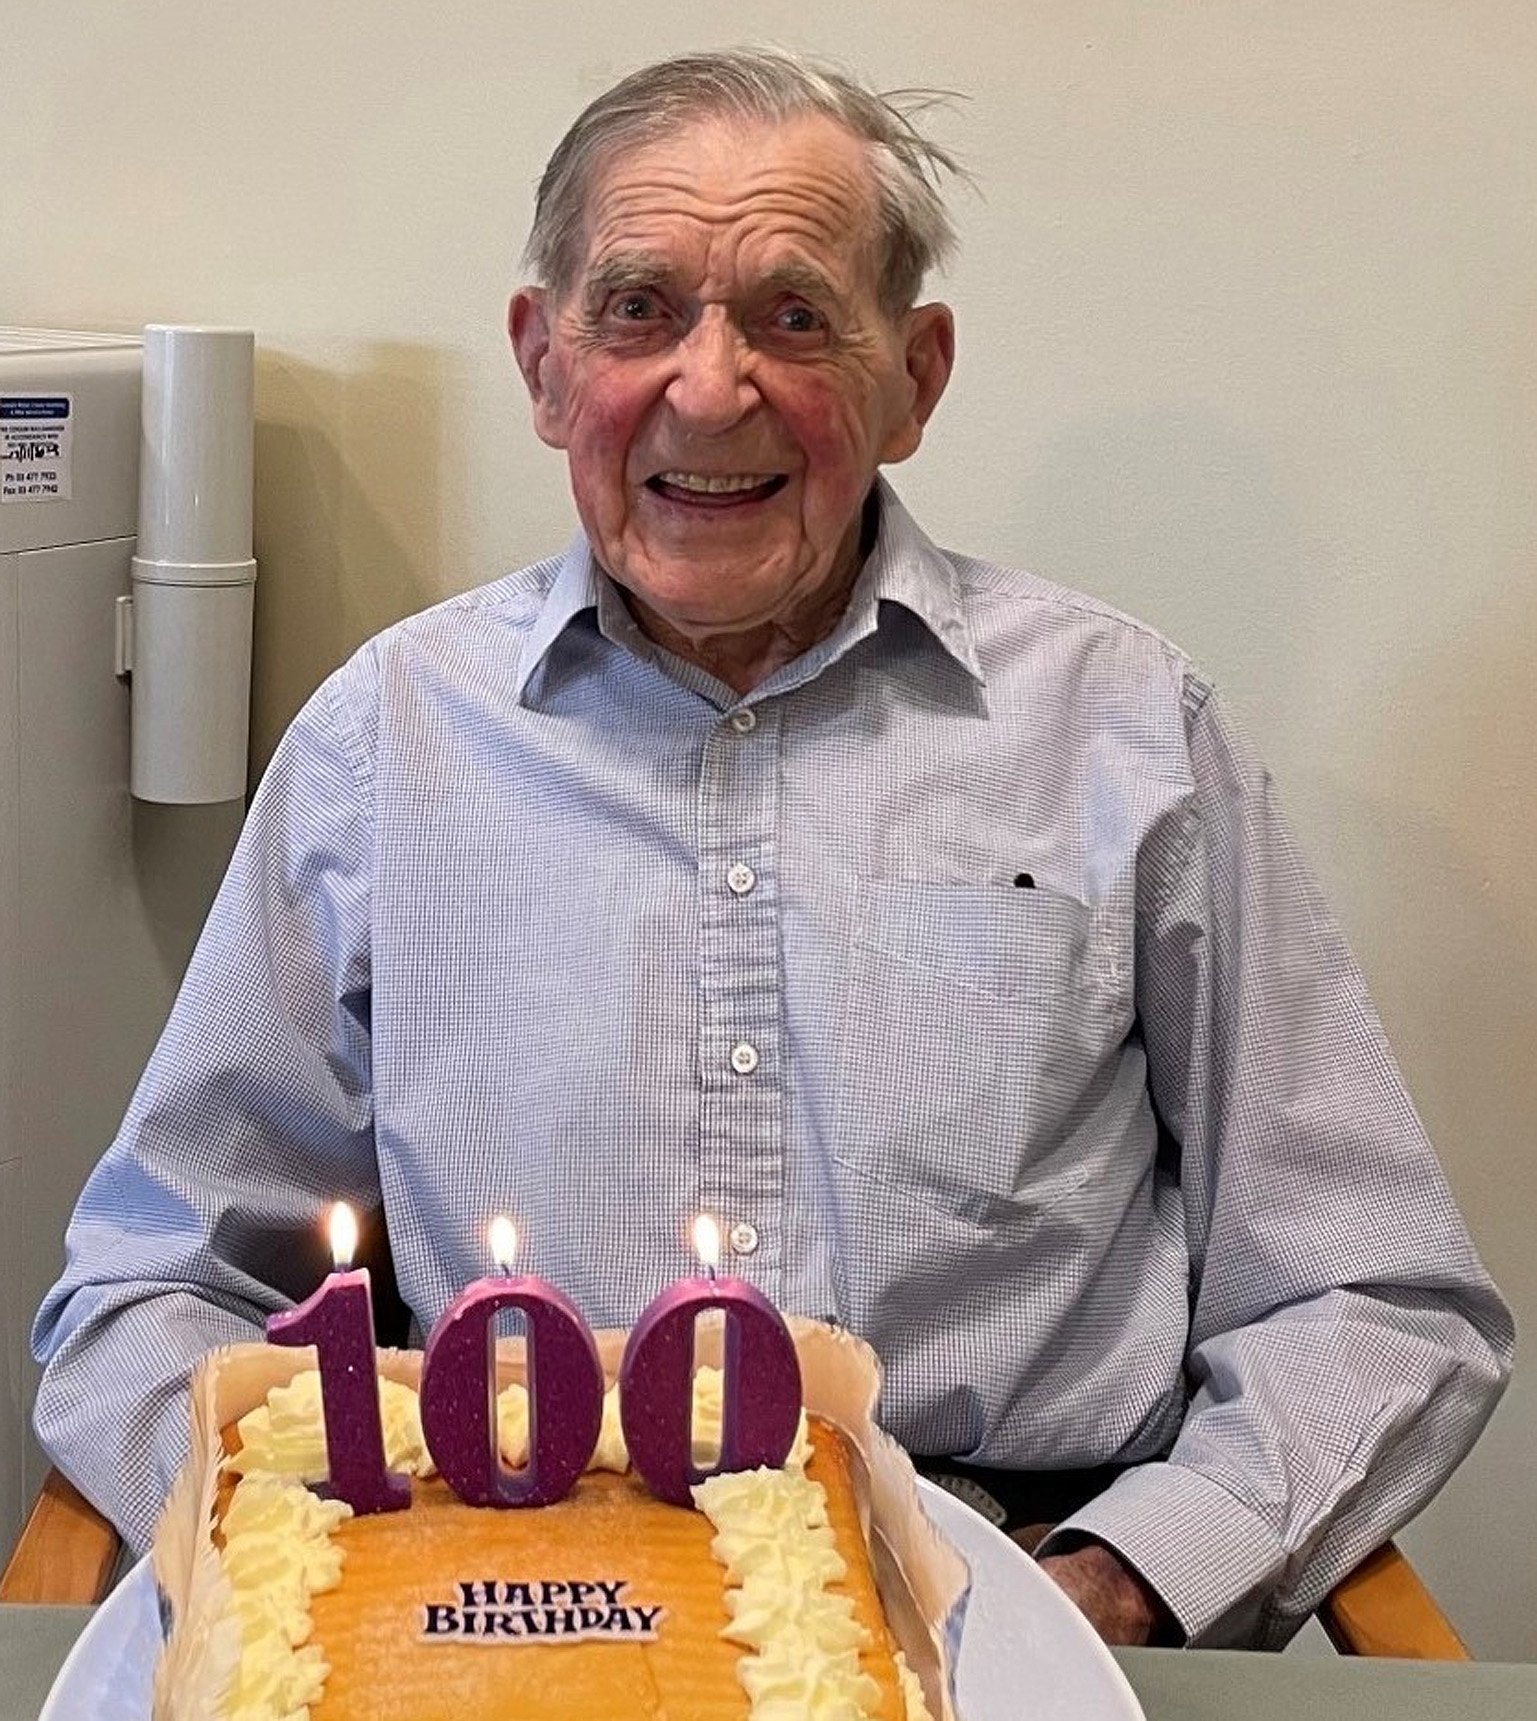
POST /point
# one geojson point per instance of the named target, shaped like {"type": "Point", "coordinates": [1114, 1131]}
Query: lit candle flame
{"type": "Point", "coordinates": [504, 1242]}
{"type": "Point", "coordinates": [707, 1242]}
{"type": "Point", "coordinates": [344, 1236]}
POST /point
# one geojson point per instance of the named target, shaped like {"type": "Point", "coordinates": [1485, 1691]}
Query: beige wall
{"type": "Point", "coordinates": [1247, 319]}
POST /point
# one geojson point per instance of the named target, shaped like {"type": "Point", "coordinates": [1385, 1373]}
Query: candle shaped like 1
{"type": "Point", "coordinates": [339, 1321]}
{"type": "Point", "coordinates": [565, 1388]}
{"type": "Point", "coordinates": [762, 1387]}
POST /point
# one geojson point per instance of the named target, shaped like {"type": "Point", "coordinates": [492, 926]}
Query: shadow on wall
{"type": "Point", "coordinates": [179, 857]}
{"type": "Point", "coordinates": [1443, 828]}
{"type": "Point", "coordinates": [1113, 505]}
{"type": "Point", "coordinates": [1445, 835]}
{"type": "Point", "coordinates": [349, 485]}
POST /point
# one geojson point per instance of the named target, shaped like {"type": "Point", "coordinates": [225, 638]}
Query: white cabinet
{"type": "Point", "coordinates": [101, 896]}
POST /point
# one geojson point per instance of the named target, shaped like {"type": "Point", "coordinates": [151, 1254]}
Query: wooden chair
{"type": "Point", "coordinates": [67, 1553]}
{"type": "Point", "coordinates": [1382, 1608]}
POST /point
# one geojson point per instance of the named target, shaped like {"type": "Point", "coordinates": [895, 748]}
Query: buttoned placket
{"type": "Point", "coordinates": [741, 1055]}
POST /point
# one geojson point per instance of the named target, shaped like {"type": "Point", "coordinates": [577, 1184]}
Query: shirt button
{"type": "Point", "coordinates": [744, 722]}
{"type": "Point", "coordinates": [744, 1058]}
{"type": "Point", "coordinates": [743, 1238]}
{"type": "Point", "coordinates": [741, 878]}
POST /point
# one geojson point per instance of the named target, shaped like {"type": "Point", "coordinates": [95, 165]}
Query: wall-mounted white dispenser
{"type": "Point", "coordinates": [189, 643]}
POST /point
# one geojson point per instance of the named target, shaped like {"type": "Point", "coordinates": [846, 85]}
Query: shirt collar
{"type": "Point", "coordinates": [575, 591]}
{"type": "Point", "coordinates": [904, 568]}
{"type": "Point", "coordinates": [907, 568]}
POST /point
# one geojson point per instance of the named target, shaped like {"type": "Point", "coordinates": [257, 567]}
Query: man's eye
{"type": "Point", "coordinates": [633, 307]}
{"type": "Point", "coordinates": [798, 320]}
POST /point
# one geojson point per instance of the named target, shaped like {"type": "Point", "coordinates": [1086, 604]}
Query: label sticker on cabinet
{"type": "Point", "coordinates": [36, 456]}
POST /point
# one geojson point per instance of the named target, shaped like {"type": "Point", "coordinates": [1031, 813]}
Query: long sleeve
{"type": "Point", "coordinates": [1346, 1345]}
{"type": "Point", "coordinates": [254, 1112]}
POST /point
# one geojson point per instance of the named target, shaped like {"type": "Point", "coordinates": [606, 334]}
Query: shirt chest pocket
{"type": "Point", "coordinates": [982, 1031]}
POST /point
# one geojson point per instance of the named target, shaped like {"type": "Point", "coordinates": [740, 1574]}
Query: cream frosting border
{"type": "Point", "coordinates": [279, 1553]}
{"type": "Point", "coordinates": [801, 1640]}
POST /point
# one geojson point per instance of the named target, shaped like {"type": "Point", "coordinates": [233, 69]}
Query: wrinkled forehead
{"type": "Point", "coordinates": [723, 197]}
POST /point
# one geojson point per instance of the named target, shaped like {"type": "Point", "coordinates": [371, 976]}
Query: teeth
{"type": "Point", "coordinates": [712, 484]}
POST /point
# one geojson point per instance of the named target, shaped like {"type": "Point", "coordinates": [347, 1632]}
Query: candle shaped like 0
{"type": "Point", "coordinates": [565, 1388]}
{"type": "Point", "coordinates": [761, 1391]}
{"type": "Point", "coordinates": [339, 1321]}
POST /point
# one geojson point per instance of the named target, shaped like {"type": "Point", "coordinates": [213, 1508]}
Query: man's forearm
{"type": "Point", "coordinates": [112, 1407]}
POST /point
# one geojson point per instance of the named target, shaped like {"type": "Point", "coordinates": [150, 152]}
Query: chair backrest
{"type": "Point", "coordinates": [1382, 1608]}
{"type": "Point", "coordinates": [67, 1551]}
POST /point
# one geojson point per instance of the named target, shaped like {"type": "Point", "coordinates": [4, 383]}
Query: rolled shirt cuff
{"type": "Point", "coordinates": [1211, 1559]}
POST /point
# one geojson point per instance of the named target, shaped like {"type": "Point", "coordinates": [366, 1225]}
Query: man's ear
{"type": "Point", "coordinates": [930, 358]}
{"type": "Point", "coordinates": [529, 323]}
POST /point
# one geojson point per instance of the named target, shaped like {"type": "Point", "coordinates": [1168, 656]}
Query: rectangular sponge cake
{"type": "Point", "coordinates": [447, 1612]}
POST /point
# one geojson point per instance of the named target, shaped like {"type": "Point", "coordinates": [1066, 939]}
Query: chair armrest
{"type": "Point", "coordinates": [66, 1552]}
{"type": "Point", "coordinates": [1382, 1608]}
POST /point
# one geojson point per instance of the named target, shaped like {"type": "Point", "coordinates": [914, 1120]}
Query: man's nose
{"type": "Point", "coordinates": [711, 389]}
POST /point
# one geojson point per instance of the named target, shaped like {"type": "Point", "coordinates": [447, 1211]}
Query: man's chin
{"type": "Point", "coordinates": [719, 591]}
{"type": "Point", "coordinates": [700, 608]}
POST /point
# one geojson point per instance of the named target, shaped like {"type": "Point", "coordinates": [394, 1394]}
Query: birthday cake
{"type": "Point", "coordinates": [759, 1601]}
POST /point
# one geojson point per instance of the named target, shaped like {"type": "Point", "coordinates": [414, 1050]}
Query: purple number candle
{"type": "Point", "coordinates": [762, 1387]}
{"type": "Point", "coordinates": [339, 1321]}
{"type": "Point", "coordinates": [565, 1388]}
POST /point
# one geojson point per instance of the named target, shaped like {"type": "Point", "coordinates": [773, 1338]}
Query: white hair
{"type": "Point", "coordinates": [754, 84]}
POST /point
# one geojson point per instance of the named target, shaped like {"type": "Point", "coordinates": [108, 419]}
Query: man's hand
{"type": "Point", "coordinates": [1116, 1602]}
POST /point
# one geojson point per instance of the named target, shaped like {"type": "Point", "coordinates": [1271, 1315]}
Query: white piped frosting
{"type": "Point", "coordinates": [612, 1453]}
{"type": "Point", "coordinates": [512, 1431]}
{"type": "Point", "coordinates": [915, 1706]}
{"type": "Point", "coordinates": [773, 1538]}
{"type": "Point", "coordinates": [278, 1553]}
{"type": "Point", "coordinates": [287, 1435]}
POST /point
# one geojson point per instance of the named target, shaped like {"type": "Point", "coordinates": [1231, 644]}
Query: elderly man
{"type": "Point", "coordinates": [925, 921]}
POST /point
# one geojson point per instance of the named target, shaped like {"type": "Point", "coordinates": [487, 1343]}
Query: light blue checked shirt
{"type": "Point", "coordinates": [530, 917]}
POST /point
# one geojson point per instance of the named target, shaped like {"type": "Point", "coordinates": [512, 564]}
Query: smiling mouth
{"type": "Point", "coordinates": [716, 490]}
